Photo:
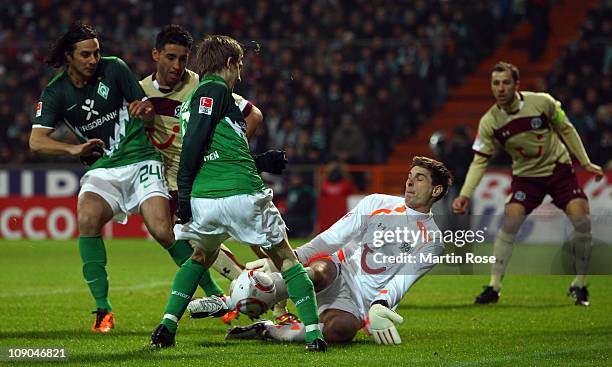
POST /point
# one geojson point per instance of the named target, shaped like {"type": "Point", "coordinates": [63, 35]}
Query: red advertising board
{"type": "Point", "coordinates": [53, 218]}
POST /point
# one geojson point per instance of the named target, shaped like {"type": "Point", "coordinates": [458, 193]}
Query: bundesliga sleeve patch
{"type": "Point", "coordinates": [38, 109]}
{"type": "Point", "coordinates": [206, 105]}
{"type": "Point", "coordinates": [478, 144]}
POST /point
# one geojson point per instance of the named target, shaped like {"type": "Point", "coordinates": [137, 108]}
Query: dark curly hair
{"type": "Point", "coordinates": [173, 34]}
{"type": "Point", "coordinates": [77, 32]}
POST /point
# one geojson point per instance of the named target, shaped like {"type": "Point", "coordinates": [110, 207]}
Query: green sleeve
{"type": "Point", "coordinates": [209, 104]}
{"type": "Point", "coordinates": [48, 109]}
{"type": "Point", "coordinates": [129, 85]}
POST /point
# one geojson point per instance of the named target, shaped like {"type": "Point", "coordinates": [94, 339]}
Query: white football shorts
{"type": "Point", "coordinates": [338, 296]}
{"type": "Point", "coordinates": [251, 219]}
{"type": "Point", "coordinates": [126, 188]}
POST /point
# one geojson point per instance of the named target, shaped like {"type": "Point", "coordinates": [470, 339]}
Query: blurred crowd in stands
{"type": "Point", "coordinates": [338, 81]}
{"type": "Point", "coordinates": [362, 76]}
{"type": "Point", "coordinates": [581, 80]}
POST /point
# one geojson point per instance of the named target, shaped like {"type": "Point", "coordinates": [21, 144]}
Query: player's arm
{"type": "Point", "coordinates": [272, 161]}
{"type": "Point", "coordinates": [338, 235]}
{"type": "Point", "coordinates": [47, 113]}
{"type": "Point", "coordinates": [381, 315]}
{"type": "Point", "coordinates": [253, 120]}
{"type": "Point", "coordinates": [139, 106]}
{"type": "Point", "coordinates": [483, 148]}
{"type": "Point", "coordinates": [252, 115]}
{"type": "Point", "coordinates": [42, 143]}
{"type": "Point", "coordinates": [566, 129]}
{"type": "Point", "coordinates": [148, 124]}
{"type": "Point", "coordinates": [197, 136]}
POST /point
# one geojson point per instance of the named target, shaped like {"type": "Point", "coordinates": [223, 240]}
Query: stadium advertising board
{"type": "Point", "coordinates": [41, 204]}
{"type": "Point", "coordinates": [547, 223]}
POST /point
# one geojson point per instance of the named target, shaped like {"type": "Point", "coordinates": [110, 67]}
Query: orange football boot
{"type": "Point", "coordinates": [229, 316]}
{"type": "Point", "coordinates": [105, 321]}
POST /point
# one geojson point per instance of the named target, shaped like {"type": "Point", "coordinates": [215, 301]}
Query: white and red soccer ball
{"type": "Point", "coordinates": [252, 293]}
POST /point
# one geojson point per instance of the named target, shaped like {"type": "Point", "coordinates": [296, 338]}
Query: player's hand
{"type": "Point", "coordinates": [142, 110]}
{"type": "Point", "coordinates": [92, 147]}
{"type": "Point", "coordinates": [183, 213]}
{"type": "Point", "coordinates": [460, 204]}
{"type": "Point", "coordinates": [382, 325]}
{"type": "Point", "coordinates": [272, 161]}
{"type": "Point", "coordinates": [266, 265]}
{"type": "Point", "coordinates": [595, 169]}
{"type": "Point", "coordinates": [93, 156]}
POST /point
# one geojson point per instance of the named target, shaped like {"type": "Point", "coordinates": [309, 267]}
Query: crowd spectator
{"type": "Point", "coordinates": [581, 80]}
{"type": "Point", "coordinates": [387, 64]}
{"type": "Point", "coordinates": [301, 205]}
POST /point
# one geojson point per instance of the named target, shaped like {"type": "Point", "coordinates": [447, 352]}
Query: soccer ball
{"type": "Point", "coordinates": [252, 292]}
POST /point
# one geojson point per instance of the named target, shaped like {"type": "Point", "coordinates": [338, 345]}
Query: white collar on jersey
{"type": "Point", "coordinates": [418, 215]}
{"type": "Point", "coordinates": [176, 87]}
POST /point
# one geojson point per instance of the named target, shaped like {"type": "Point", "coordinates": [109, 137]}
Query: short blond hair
{"type": "Point", "coordinates": [212, 53]}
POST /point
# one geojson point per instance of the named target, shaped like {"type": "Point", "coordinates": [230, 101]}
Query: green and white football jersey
{"type": "Point", "coordinates": [215, 158]}
{"type": "Point", "coordinates": [99, 110]}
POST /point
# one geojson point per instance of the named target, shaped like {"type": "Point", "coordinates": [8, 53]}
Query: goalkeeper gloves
{"type": "Point", "coordinates": [382, 324]}
{"type": "Point", "coordinates": [272, 161]}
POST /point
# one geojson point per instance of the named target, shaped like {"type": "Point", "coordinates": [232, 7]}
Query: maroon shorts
{"type": "Point", "coordinates": [562, 186]}
{"type": "Point", "coordinates": [173, 202]}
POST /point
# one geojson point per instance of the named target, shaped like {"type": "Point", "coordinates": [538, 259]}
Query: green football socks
{"type": "Point", "coordinates": [185, 284]}
{"type": "Point", "coordinates": [180, 251]}
{"type": "Point", "coordinates": [301, 292]}
{"type": "Point", "coordinates": [93, 255]}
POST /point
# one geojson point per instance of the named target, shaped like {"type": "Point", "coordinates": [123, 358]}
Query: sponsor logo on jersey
{"type": "Point", "coordinates": [520, 196]}
{"type": "Point", "coordinates": [406, 246]}
{"type": "Point", "coordinates": [206, 104]}
{"type": "Point", "coordinates": [103, 90]}
{"type": "Point", "coordinates": [97, 122]}
{"type": "Point", "coordinates": [177, 111]}
{"type": "Point", "coordinates": [536, 123]}
{"type": "Point", "coordinates": [89, 107]}
{"type": "Point", "coordinates": [38, 109]}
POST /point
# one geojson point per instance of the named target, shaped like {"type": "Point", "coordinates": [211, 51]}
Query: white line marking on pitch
{"type": "Point", "coordinates": [83, 290]}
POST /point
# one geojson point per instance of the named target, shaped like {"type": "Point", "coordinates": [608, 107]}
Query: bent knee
{"type": "Point", "coordinates": [165, 237]}
{"type": "Point", "coordinates": [89, 223]}
{"type": "Point", "coordinates": [339, 334]}
{"type": "Point", "coordinates": [339, 326]}
{"type": "Point", "coordinates": [325, 272]}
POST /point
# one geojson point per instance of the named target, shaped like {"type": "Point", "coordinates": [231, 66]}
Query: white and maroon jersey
{"type": "Point", "coordinates": [164, 133]}
{"type": "Point", "coordinates": [528, 134]}
{"type": "Point", "coordinates": [356, 245]}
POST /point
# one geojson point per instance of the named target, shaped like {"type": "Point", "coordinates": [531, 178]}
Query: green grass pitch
{"type": "Point", "coordinates": [44, 302]}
